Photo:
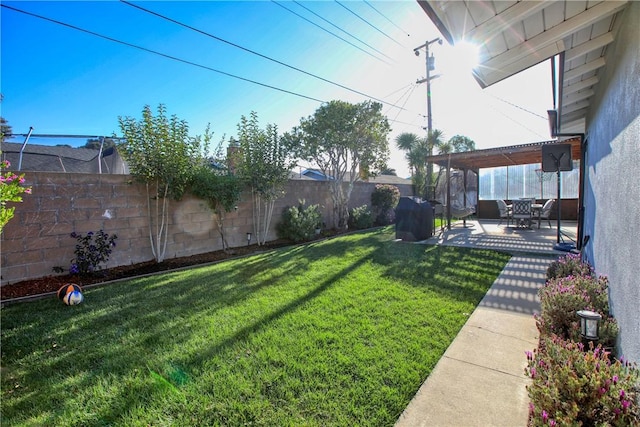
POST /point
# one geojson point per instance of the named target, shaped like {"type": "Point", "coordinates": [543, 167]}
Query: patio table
{"type": "Point", "coordinates": [536, 210]}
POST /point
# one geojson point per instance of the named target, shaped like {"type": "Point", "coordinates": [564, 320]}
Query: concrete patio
{"type": "Point", "coordinates": [489, 234]}
{"type": "Point", "coordinates": [480, 380]}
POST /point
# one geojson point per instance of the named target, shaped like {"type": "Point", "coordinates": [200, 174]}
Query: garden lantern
{"type": "Point", "coordinates": [248, 239]}
{"type": "Point", "coordinates": [589, 322]}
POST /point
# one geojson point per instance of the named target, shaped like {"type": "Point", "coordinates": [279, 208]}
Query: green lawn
{"type": "Point", "coordinates": [338, 332]}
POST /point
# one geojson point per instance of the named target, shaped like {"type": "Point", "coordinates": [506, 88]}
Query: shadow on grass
{"type": "Point", "coordinates": [138, 316]}
{"type": "Point", "coordinates": [126, 331]}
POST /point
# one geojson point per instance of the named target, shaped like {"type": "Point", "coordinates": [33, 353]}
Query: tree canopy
{"type": "Point", "coordinates": [161, 154]}
{"type": "Point", "coordinates": [347, 142]}
{"type": "Point", "coordinates": [264, 163]}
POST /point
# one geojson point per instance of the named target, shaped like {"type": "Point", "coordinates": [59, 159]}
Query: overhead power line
{"type": "Point", "coordinates": [344, 31]}
{"type": "Point", "coordinates": [253, 52]}
{"type": "Point", "coordinates": [385, 17]}
{"type": "Point", "coordinates": [518, 122]}
{"type": "Point", "coordinates": [370, 24]}
{"type": "Point", "coordinates": [406, 100]}
{"type": "Point", "coordinates": [324, 29]}
{"type": "Point", "coordinates": [184, 61]}
{"type": "Point", "coordinates": [398, 90]}
{"type": "Point", "coordinates": [519, 107]}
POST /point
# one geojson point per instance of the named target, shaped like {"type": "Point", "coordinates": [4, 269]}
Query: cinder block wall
{"type": "Point", "coordinates": [38, 237]}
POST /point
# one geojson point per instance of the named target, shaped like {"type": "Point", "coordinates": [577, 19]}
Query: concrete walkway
{"type": "Point", "coordinates": [480, 379]}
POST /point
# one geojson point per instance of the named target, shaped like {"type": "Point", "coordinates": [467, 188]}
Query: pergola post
{"type": "Point", "coordinates": [449, 193]}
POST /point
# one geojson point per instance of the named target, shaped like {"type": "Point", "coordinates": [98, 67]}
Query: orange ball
{"type": "Point", "coordinates": [66, 288]}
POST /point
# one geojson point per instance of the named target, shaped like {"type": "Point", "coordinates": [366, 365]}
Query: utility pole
{"type": "Point", "coordinates": [430, 65]}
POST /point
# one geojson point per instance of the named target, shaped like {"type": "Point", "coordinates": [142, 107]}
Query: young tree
{"type": "Point", "coordinates": [161, 154]}
{"type": "Point", "coordinates": [213, 182]}
{"type": "Point", "coordinates": [347, 142]}
{"type": "Point", "coordinates": [264, 163]}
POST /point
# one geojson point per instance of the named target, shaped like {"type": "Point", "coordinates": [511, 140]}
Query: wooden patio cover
{"type": "Point", "coordinates": [502, 156]}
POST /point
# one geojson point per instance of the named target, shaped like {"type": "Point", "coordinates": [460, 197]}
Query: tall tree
{"type": "Point", "coordinates": [434, 140]}
{"type": "Point", "coordinates": [263, 161]}
{"type": "Point", "coordinates": [161, 154]}
{"type": "Point", "coordinates": [347, 142]}
{"type": "Point", "coordinates": [460, 143]}
{"type": "Point", "coordinates": [407, 142]}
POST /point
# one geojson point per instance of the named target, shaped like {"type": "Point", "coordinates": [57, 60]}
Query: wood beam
{"type": "Point", "coordinates": [494, 76]}
{"type": "Point", "coordinates": [589, 46]}
{"type": "Point", "coordinates": [583, 69]}
{"type": "Point", "coordinates": [584, 84]}
{"type": "Point", "coordinates": [574, 115]}
{"type": "Point", "coordinates": [512, 15]}
{"type": "Point", "coordinates": [575, 106]}
{"type": "Point", "coordinates": [552, 35]}
{"type": "Point", "coordinates": [577, 96]}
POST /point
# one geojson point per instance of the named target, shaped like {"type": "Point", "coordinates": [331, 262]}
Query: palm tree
{"type": "Point", "coordinates": [417, 160]}
{"type": "Point", "coordinates": [407, 142]}
{"type": "Point", "coordinates": [434, 140]}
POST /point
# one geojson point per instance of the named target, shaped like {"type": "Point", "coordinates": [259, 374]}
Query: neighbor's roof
{"type": "Point", "coordinates": [503, 156]}
{"type": "Point", "coordinates": [46, 158]}
{"type": "Point", "coordinates": [380, 179]}
{"type": "Point", "coordinates": [515, 35]}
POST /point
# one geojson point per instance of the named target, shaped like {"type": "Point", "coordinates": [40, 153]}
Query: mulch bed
{"type": "Point", "coordinates": [53, 283]}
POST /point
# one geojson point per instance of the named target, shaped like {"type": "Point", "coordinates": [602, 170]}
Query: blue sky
{"type": "Point", "coordinates": [63, 81]}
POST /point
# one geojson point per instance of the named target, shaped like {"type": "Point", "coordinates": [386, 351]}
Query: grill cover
{"type": "Point", "coordinates": [414, 219]}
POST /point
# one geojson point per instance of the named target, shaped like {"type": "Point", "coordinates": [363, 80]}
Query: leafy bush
{"type": "Point", "coordinates": [11, 190]}
{"type": "Point", "coordinates": [360, 218]}
{"type": "Point", "coordinates": [91, 250]}
{"type": "Point", "coordinates": [299, 222]}
{"type": "Point", "coordinates": [569, 265]}
{"type": "Point", "coordinates": [561, 298]}
{"type": "Point", "coordinates": [384, 200]}
{"type": "Point", "coordinates": [571, 386]}
{"type": "Point", "coordinates": [221, 192]}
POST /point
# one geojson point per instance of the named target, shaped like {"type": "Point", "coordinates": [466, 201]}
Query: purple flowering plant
{"type": "Point", "coordinates": [574, 385]}
{"type": "Point", "coordinates": [560, 300]}
{"type": "Point", "coordinates": [91, 250]}
{"type": "Point", "coordinates": [569, 265]}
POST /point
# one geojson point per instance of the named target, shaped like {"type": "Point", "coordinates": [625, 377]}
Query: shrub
{"type": "Point", "coordinates": [384, 200]}
{"type": "Point", "coordinates": [569, 265]}
{"type": "Point", "coordinates": [571, 386]}
{"type": "Point", "coordinates": [91, 250]}
{"type": "Point", "coordinates": [11, 190]}
{"type": "Point", "coordinates": [561, 298]}
{"type": "Point", "coordinates": [360, 218]}
{"type": "Point", "coordinates": [299, 222]}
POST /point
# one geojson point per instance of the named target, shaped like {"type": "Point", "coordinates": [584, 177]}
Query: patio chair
{"type": "Point", "coordinates": [521, 212]}
{"type": "Point", "coordinates": [545, 213]}
{"type": "Point", "coordinates": [505, 212]}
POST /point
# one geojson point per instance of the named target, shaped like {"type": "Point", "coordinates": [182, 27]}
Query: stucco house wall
{"type": "Point", "coordinates": [612, 193]}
